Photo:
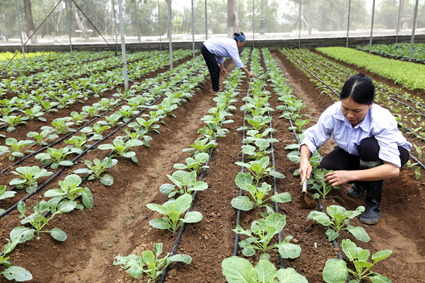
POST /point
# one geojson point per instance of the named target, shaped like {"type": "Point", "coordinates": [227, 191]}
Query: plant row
{"type": "Point", "coordinates": [398, 50]}
{"type": "Point", "coordinates": [409, 75]}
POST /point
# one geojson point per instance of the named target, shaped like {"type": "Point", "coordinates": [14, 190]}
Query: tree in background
{"type": "Point", "coordinates": [30, 22]}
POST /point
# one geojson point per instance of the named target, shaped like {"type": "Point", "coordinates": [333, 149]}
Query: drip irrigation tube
{"type": "Point", "coordinates": [276, 207]}
{"type": "Point", "coordinates": [238, 212]}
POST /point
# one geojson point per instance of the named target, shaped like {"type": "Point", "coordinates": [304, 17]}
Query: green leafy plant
{"type": "Point", "coordinates": [339, 221]}
{"type": "Point", "coordinates": [38, 221]}
{"type": "Point", "coordinates": [185, 183]}
{"type": "Point", "coordinates": [262, 232]}
{"type": "Point", "coordinates": [28, 177]}
{"type": "Point", "coordinates": [194, 164]}
{"type": "Point", "coordinates": [238, 270]}
{"type": "Point", "coordinates": [58, 156]}
{"type": "Point", "coordinates": [259, 150]}
{"type": "Point", "coordinates": [96, 168]}
{"type": "Point", "coordinates": [62, 124]}
{"type": "Point", "coordinates": [69, 189]}
{"type": "Point", "coordinates": [172, 211]}
{"type": "Point", "coordinates": [336, 270]}
{"type": "Point", "coordinates": [35, 112]}
{"type": "Point", "coordinates": [258, 193]}
{"type": "Point", "coordinates": [418, 173]}
{"type": "Point", "coordinates": [16, 147]}
{"type": "Point", "coordinates": [12, 121]}
{"type": "Point", "coordinates": [201, 145]}
{"type": "Point", "coordinates": [122, 148]}
{"type": "Point", "coordinates": [149, 264]}
{"type": "Point", "coordinates": [78, 142]}
{"type": "Point", "coordinates": [259, 169]}
{"type": "Point", "coordinates": [321, 187]}
{"type": "Point", "coordinates": [40, 137]}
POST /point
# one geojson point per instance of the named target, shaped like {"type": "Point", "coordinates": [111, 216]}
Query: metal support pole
{"type": "Point", "coordinates": [262, 19]}
{"type": "Point", "coordinates": [371, 27]}
{"type": "Point", "coordinates": [124, 59]}
{"type": "Point", "coordinates": [69, 27]}
{"type": "Point", "coordinates": [20, 29]}
{"type": "Point", "coordinates": [193, 32]}
{"type": "Point", "coordinates": [206, 20]}
{"type": "Point", "coordinates": [159, 26]}
{"type": "Point", "coordinates": [348, 22]}
{"type": "Point", "coordinates": [398, 20]}
{"type": "Point", "coordinates": [413, 30]}
{"type": "Point", "coordinates": [253, 22]}
{"type": "Point", "coordinates": [116, 29]}
{"type": "Point", "coordinates": [169, 31]}
{"type": "Point", "coordinates": [299, 26]}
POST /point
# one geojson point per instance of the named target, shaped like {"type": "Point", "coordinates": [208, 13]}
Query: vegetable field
{"type": "Point", "coordinates": [114, 178]}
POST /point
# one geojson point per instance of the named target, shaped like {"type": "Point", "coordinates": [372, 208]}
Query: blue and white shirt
{"type": "Point", "coordinates": [224, 47]}
{"type": "Point", "coordinates": [378, 123]}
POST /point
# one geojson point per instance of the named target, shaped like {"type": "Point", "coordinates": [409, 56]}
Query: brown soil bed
{"type": "Point", "coordinates": [119, 221]}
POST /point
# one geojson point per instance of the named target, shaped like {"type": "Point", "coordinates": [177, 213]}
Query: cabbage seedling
{"type": "Point", "coordinates": [194, 164]}
{"type": "Point", "coordinates": [259, 169]}
{"type": "Point", "coordinates": [149, 265]}
{"type": "Point", "coordinates": [38, 221]}
{"type": "Point", "coordinates": [96, 168]}
{"type": "Point", "coordinates": [238, 270]}
{"type": "Point", "coordinates": [16, 147]}
{"type": "Point", "coordinates": [186, 183]}
{"type": "Point", "coordinates": [244, 203]}
{"type": "Point", "coordinates": [259, 152]}
{"type": "Point", "coordinates": [12, 121]}
{"type": "Point", "coordinates": [28, 177]}
{"type": "Point", "coordinates": [202, 145]}
{"type": "Point", "coordinates": [336, 270]}
{"type": "Point", "coordinates": [262, 232]}
{"type": "Point", "coordinates": [322, 188]}
{"type": "Point", "coordinates": [78, 142]}
{"type": "Point", "coordinates": [69, 189]}
{"type": "Point", "coordinates": [58, 156]}
{"type": "Point", "coordinates": [61, 125]}
{"type": "Point", "coordinates": [172, 210]}
{"type": "Point", "coordinates": [40, 137]}
{"type": "Point", "coordinates": [339, 218]}
{"type": "Point", "coordinates": [35, 112]}
{"type": "Point", "coordinates": [122, 148]}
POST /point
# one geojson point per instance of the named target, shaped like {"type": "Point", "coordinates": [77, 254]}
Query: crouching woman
{"type": "Point", "coordinates": [369, 148]}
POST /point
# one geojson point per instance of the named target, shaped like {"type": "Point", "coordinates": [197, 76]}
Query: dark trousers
{"type": "Point", "coordinates": [339, 159]}
{"type": "Point", "coordinates": [213, 67]}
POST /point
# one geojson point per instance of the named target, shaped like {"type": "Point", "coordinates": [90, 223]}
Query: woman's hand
{"type": "Point", "coordinates": [337, 178]}
{"type": "Point", "coordinates": [223, 71]}
{"type": "Point", "coordinates": [252, 75]}
{"type": "Point", "coordinates": [305, 170]}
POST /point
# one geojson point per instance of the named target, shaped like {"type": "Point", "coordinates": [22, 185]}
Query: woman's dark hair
{"type": "Point", "coordinates": [359, 88]}
{"type": "Point", "coordinates": [236, 36]}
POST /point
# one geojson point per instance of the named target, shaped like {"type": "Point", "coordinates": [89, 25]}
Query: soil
{"type": "Point", "coordinates": [119, 221]}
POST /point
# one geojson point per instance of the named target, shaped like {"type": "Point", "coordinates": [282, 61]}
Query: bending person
{"type": "Point", "coordinates": [370, 146]}
{"type": "Point", "coordinates": [222, 47]}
